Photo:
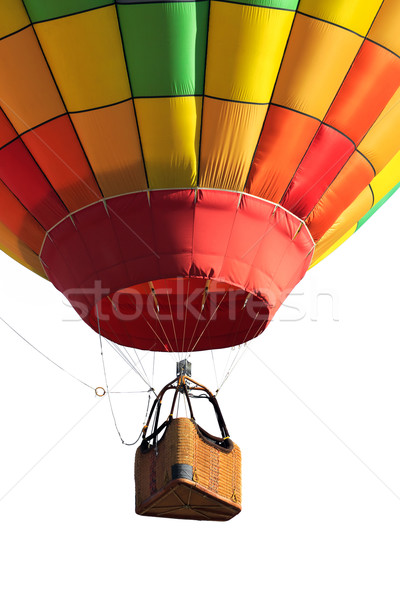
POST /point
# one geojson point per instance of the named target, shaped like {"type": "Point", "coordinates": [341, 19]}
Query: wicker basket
{"type": "Point", "coordinates": [188, 474]}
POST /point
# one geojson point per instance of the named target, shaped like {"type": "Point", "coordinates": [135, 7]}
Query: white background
{"type": "Point", "coordinates": [313, 404]}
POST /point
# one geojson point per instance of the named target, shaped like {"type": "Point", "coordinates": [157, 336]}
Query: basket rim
{"type": "Point", "coordinates": [145, 448]}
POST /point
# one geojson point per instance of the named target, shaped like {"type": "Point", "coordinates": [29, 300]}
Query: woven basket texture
{"type": "Point", "coordinates": [214, 468]}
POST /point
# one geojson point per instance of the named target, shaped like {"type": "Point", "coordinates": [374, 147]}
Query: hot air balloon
{"type": "Point", "coordinates": [175, 168]}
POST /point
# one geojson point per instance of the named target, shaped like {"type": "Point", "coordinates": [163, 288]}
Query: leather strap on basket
{"type": "Point", "coordinates": [187, 386]}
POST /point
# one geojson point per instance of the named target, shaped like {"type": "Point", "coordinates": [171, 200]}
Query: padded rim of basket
{"type": "Point", "coordinates": [202, 433]}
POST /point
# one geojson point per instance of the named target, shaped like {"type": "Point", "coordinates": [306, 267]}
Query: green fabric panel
{"type": "Point", "coordinates": [377, 206]}
{"type": "Point", "coordinates": [165, 47]}
{"type": "Point", "coordinates": [43, 10]}
{"type": "Point", "coordinates": [282, 4]}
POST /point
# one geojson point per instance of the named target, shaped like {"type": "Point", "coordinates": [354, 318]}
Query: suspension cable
{"type": "Point", "coordinates": [128, 361]}
{"type": "Point", "coordinates": [45, 356]}
{"type": "Point", "coordinates": [108, 390]}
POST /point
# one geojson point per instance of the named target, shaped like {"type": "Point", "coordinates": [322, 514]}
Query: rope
{"type": "Point", "coordinates": [207, 324]}
{"type": "Point", "coordinates": [238, 358]}
{"type": "Point", "coordinates": [129, 361]}
{"type": "Point", "coordinates": [173, 325]}
{"type": "Point", "coordinates": [45, 356]}
{"type": "Point", "coordinates": [108, 390]}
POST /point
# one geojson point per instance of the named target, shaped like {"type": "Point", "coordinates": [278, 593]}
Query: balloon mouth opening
{"type": "Point", "coordinates": [178, 270]}
{"type": "Point", "coordinates": [181, 314]}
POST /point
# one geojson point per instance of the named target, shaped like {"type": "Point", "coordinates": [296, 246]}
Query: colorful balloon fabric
{"type": "Point", "coordinates": [174, 168]}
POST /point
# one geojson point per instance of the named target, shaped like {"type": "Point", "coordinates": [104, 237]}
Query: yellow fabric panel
{"type": "Point", "coordinates": [12, 17]}
{"type": "Point", "coordinates": [356, 15]}
{"type": "Point", "coordinates": [24, 76]}
{"type": "Point", "coordinates": [345, 225]}
{"type": "Point", "coordinates": [316, 61]}
{"type": "Point", "coordinates": [110, 139]}
{"type": "Point", "coordinates": [11, 245]}
{"type": "Point", "coordinates": [385, 29]}
{"type": "Point", "coordinates": [170, 132]}
{"type": "Point", "coordinates": [319, 255]}
{"type": "Point", "coordinates": [382, 141]}
{"type": "Point", "coordinates": [86, 56]}
{"type": "Point", "coordinates": [386, 179]}
{"type": "Point", "coordinates": [244, 52]}
{"type": "Point", "coordinates": [229, 136]}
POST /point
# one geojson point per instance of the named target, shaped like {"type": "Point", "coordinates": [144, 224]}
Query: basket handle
{"type": "Point", "coordinates": [179, 385]}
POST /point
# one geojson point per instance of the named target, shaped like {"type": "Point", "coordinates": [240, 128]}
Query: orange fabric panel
{"type": "Point", "coordinates": [352, 179]}
{"type": "Point", "coordinates": [229, 138]}
{"type": "Point", "coordinates": [369, 85]}
{"type": "Point", "coordinates": [315, 63]}
{"type": "Point", "coordinates": [355, 15]}
{"type": "Point", "coordinates": [19, 221]}
{"type": "Point", "coordinates": [285, 138]}
{"type": "Point", "coordinates": [110, 139]}
{"type": "Point", "coordinates": [57, 150]}
{"type": "Point", "coordinates": [24, 75]}
{"type": "Point", "coordinates": [382, 141]}
{"type": "Point", "coordinates": [16, 249]}
{"type": "Point", "coordinates": [385, 29]}
{"type": "Point", "coordinates": [348, 219]}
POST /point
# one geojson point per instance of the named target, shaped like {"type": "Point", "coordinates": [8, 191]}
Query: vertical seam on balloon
{"type": "Point", "coordinates": [339, 88]}
{"type": "Point", "coordinates": [292, 208]}
{"type": "Point", "coordinates": [18, 137]}
{"type": "Point", "coordinates": [306, 218]}
{"type": "Point", "coordinates": [25, 208]}
{"type": "Point", "coordinates": [269, 103]}
{"type": "Point", "coordinates": [123, 260]}
{"type": "Point", "coordinates": [153, 245]}
{"type": "Point", "coordinates": [323, 123]}
{"type": "Point", "coordinates": [326, 113]}
{"type": "Point", "coordinates": [63, 103]}
{"type": "Point", "coordinates": [43, 173]}
{"type": "Point", "coordinates": [204, 93]}
{"type": "Point", "coordinates": [131, 88]}
{"type": "Point", "coordinates": [373, 195]}
{"type": "Point", "coordinates": [66, 262]}
{"type": "Point", "coordinates": [27, 149]}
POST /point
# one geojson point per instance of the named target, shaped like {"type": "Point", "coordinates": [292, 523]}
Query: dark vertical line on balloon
{"type": "Point", "coordinates": [269, 104]}
{"type": "Point", "coordinates": [204, 91]}
{"type": "Point", "coordinates": [63, 103]}
{"type": "Point", "coordinates": [25, 208]}
{"type": "Point", "coordinates": [373, 195]}
{"type": "Point", "coordinates": [305, 218]}
{"type": "Point", "coordinates": [326, 113]}
{"type": "Point", "coordinates": [359, 142]}
{"type": "Point", "coordinates": [131, 88]}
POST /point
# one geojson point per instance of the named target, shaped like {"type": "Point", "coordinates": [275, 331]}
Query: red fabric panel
{"type": "Point", "coordinates": [7, 131]}
{"type": "Point", "coordinates": [173, 212]}
{"type": "Point", "coordinates": [59, 154]}
{"type": "Point", "coordinates": [350, 182]}
{"type": "Point", "coordinates": [372, 80]}
{"type": "Point", "coordinates": [215, 216]}
{"type": "Point", "coordinates": [132, 222]}
{"type": "Point", "coordinates": [327, 154]}
{"type": "Point", "coordinates": [16, 218]}
{"type": "Point", "coordinates": [23, 177]}
{"type": "Point", "coordinates": [284, 140]}
{"type": "Point", "coordinates": [179, 242]}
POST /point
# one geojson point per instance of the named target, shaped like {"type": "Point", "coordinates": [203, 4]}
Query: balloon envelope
{"type": "Point", "coordinates": [174, 168]}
